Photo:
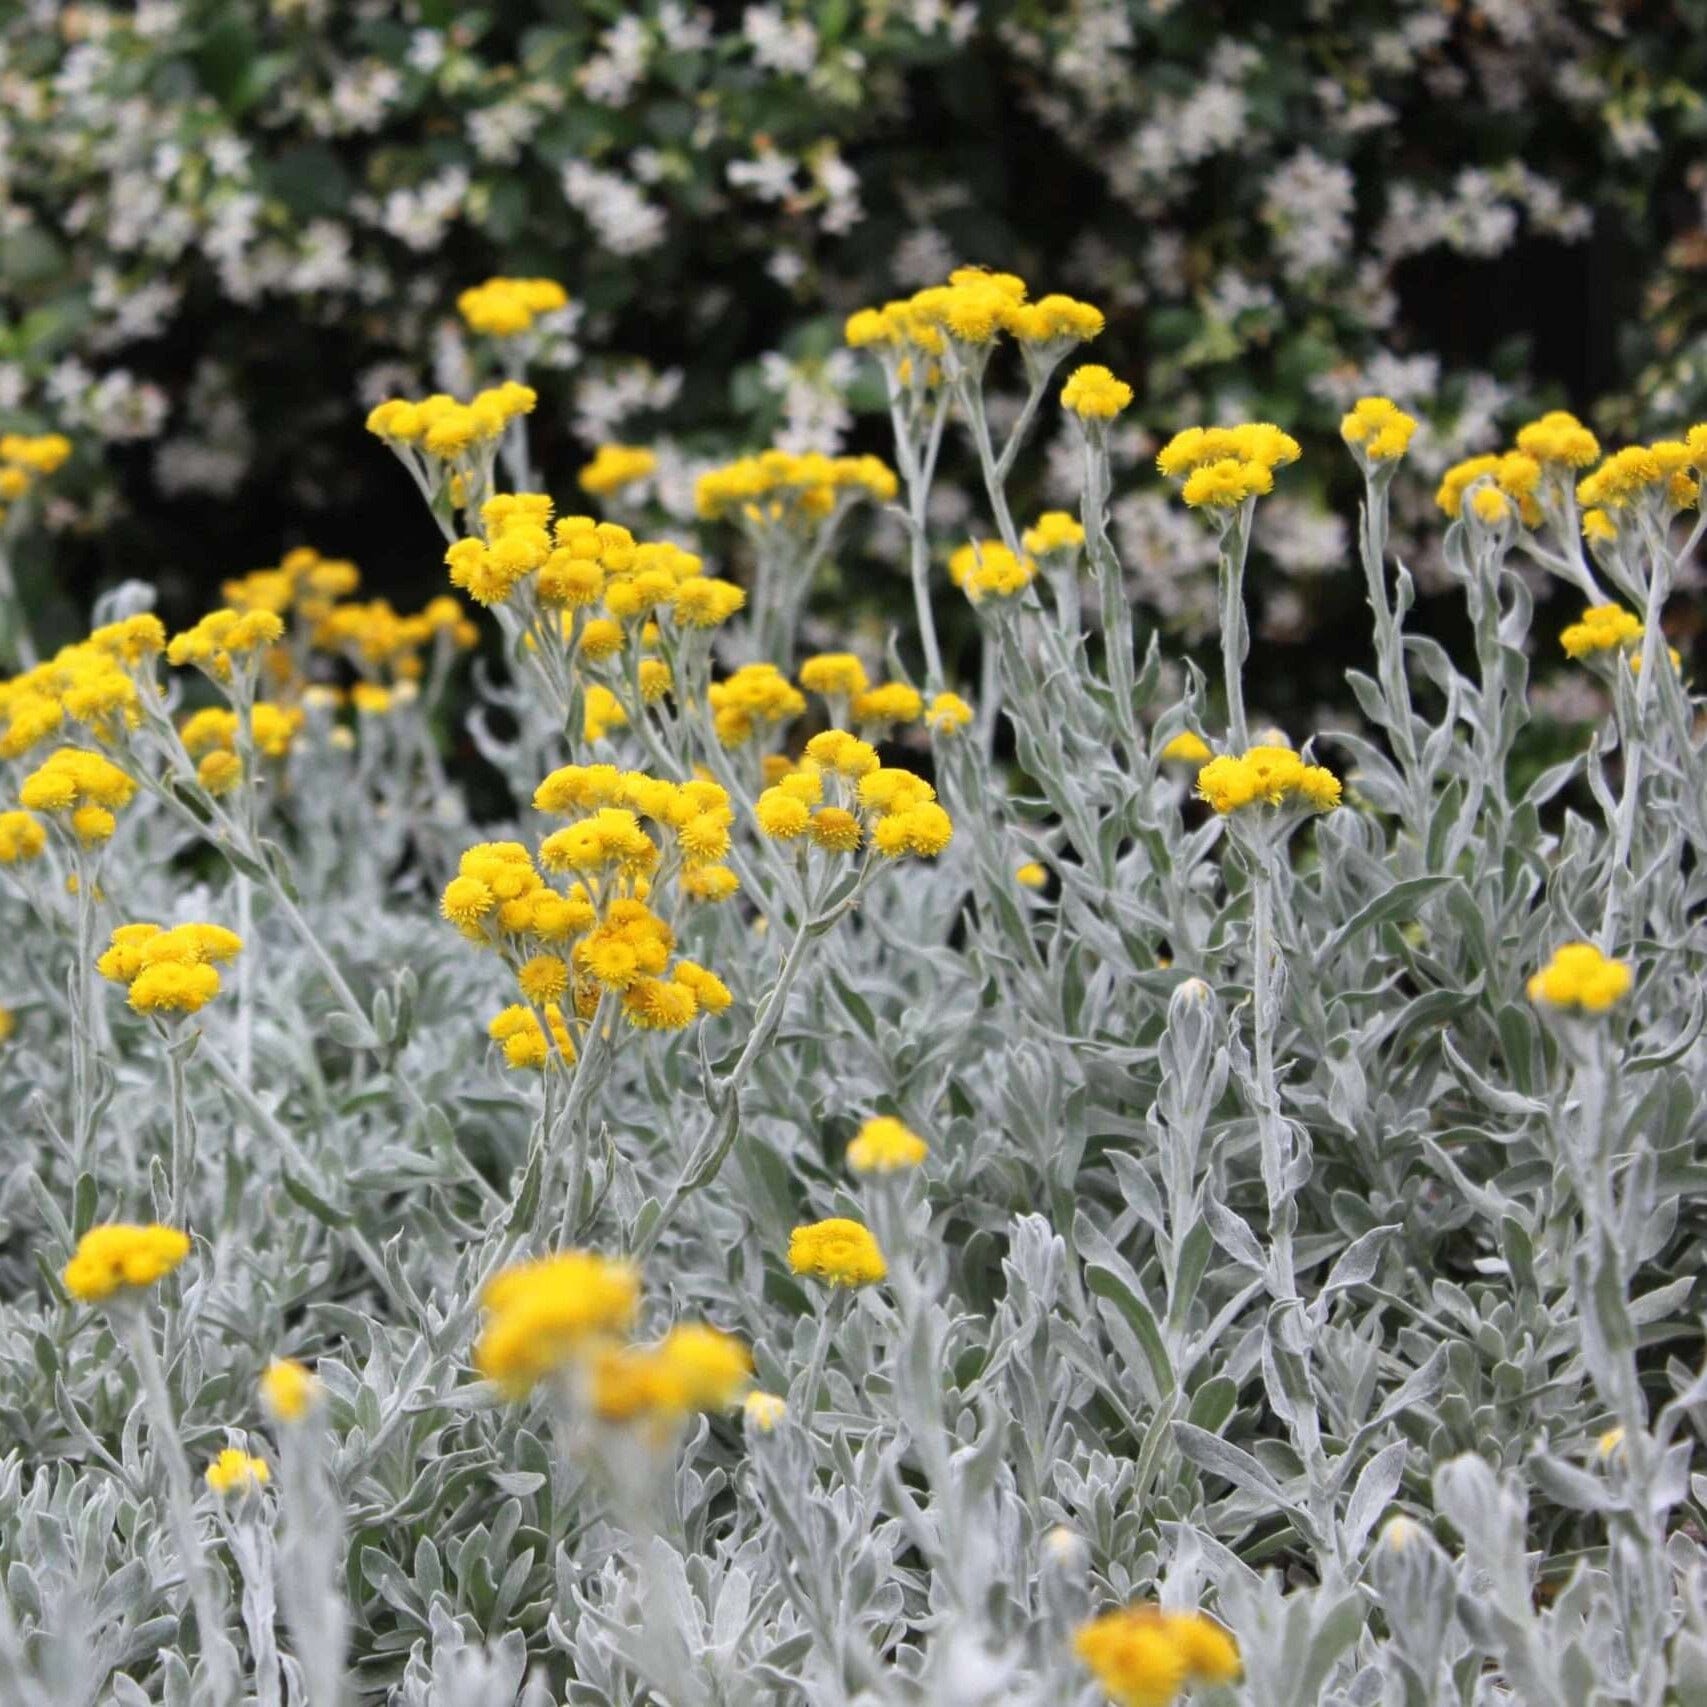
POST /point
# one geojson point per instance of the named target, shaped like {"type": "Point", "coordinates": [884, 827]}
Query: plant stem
{"type": "Point", "coordinates": [1235, 633]}
{"type": "Point", "coordinates": [132, 1321]}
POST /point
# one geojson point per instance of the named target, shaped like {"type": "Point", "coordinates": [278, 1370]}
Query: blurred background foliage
{"type": "Point", "coordinates": [228, 226]}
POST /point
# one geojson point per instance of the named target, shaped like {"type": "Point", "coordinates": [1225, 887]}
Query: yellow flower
{"type": "Point", "coordinates": [1226, 484]}
{"type": "Point", "coordinates": [1622, 478]}
{"type": "Point", "coordinates": [1598, 527]}
{"type": "Point", "coordinates": [22, 838]}
{"type": "Point", "coordinates": [834, 673]}
{"type": "Point", "coordinates": [1259, 442]}
{"type": "Point", "coordinates": [71, 777]}
{"type": "Point", "coordinates": [1054, 530]}
{"type": "Point", "coordinates": [764, 1411]}
{"type": "Point", "coordinates": [1489, 505]}
{"type": "Point", "coordinates": [892, 702]}
{"type": "Point", "coordinates": [1559, 437]}
{"type": "Point", "coordinates": [1144, 1656]}
{"type": "Point", "coordinates": [8, 1024]}
{"type": "Point", "coordinates": [1609, 1444]}
{"type": "Point", "coordinates": [1267, 776]}
{"type": "Point", "coordinates": [173, 988]}
{"type": "Point", "coordinates": [542, 1314]}
{"type": "Point", "coordinates": [117, 1255]}
{"type": "Point", "coordinates": [1094, 394]}
{"type": "Point", "coordinates": [838, 1252]}
{"type": "Point", "coordinates": [1580, 976]}
{"type": "Point", "coordinates": [885, 1146]}
{"type": "Point", "coordinates": [1603, 628]}
{"type": "Point", "coordinates": [948, 714]}
{"type": "Point", "coordinates": [987, 569]}
{"type": "Point", "coordinates": [780, 815]}
{"type": "Point", "coordinates": [703, 1369]}
{"type": "Point", "coordinates": [616, 466]}
{"type": "Point", "coordinates": [504, 308]}
{"type": "Point", "coordinates": [1459, 478]}
{"type": "Point", "coordinates": [289, 1391]}
{"type": "Point", "coordinates": [1378, 428]}
{"type": "Point", "coordinates": [1187, 747]}
{"type": "Point", "coordinates": [234, 1471]}
{"type": "Point", "coordinates": [1032, 875]}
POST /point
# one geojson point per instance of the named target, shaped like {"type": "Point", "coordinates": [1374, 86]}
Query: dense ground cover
{"type": "Point", "coordinates": [803, 1209]}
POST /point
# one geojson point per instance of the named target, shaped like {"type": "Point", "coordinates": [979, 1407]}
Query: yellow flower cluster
{"type": "Point", "coordinates": [375, 636]}
{"type": "Point", "coordinates": [694, 1367]}
{"type": "Point", "coordinates": [838, 1252]}
{"type": "Point", "coordinates": [235, 1472]}
{"type": "Point", "coordinates": [887, 705]}
{"type": "Point", "coordinates": [1054, 530]}
{"type": "Point", "coordinates": [1144, 1656]}
{"type": "Point", "coordinates": [1558, 437]}
{"type": "Point", "coordinates": [974, 308]}
{"type": "Point", "coordinates": [117, 1255]}
{"type": "Point", "coordinates": [777, 487]}
{"type": "Point", "coordinates": [573, 1314]}
{"type": "Point", "coordinates": [1223, 466]}
{"type": "Point", "coordinates": [834, 675]}
{"type": "Point", "coordinates": [1378, 428]}
{"type": "Point", "coordinates": [755, 695]}
{"type": "Point", "coordinates": [85, 787]}
{"type": "Point", "coordinates": [986, 569]}
{"type": "Point", "coordinates": [885, 1145]}
{"type": "Point", "coordinates": [22, 838]}
{"type": "Point", "coordinates": [1638, 471]}
{"type": "Point", "coordinates": [1267, 776]}
{"type": "Point", "coordinates": [1550, 448]}
{"type": "Point", "coordinates": [168, 971]}
{"type": "Point", "coordinates": [505, 308]}
{"type": "Point", "coordinates": [224, 635]}
{"type": "Point", "coordinates": [27, 458]}
{"type": "Point", "coordinates": [272, 729]}
{"type": "Point", "coordinates": [1094, 394]}
{"type": "Point", "coordinates": [1604, 628]}
{"type": "Point", "coordinates": [840, 794]}
{"type": "Point", "coordinates": [301, 580]}
{"type": "Point", "coordinates": [1580, 976]}
{"type": "Point", "coordinates": [616, 466]}
{"type": "Point", "coordinates": [545, 1313]}
{"type": "Point", "coordinates": [599, 934]}
{"type": "Point", "coordinates": [441, 428]}
{"type": "Point", "coordinates": [575, 563]}
{"type": "Point", "coordinates": [88, 682]}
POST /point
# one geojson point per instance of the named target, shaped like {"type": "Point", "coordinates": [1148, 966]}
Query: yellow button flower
{"type": "Point", "coordinates": [838, 1252]}
{"type": "Point", "coordinates": [235, 1472]}
{"type": "Point", "coordinates": [118, 1256]}
{"type": "Point", "coordinates": [1580, 976]}
{"type": "Point", "coordinates": [885, 1146]}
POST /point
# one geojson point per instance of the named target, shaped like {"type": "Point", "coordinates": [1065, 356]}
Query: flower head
{"type": "Point", "coordinates": [1094, 394]}
{"type": "Point", "coordinates": [1579, 976]}
{"type": "Point", "coordinates": [540, 1315]}
{"type": "Point", "coordinates": [1144, 1656]}
{"type": "Point", "coordinates": [1378, 429]}
{"type": "Point", "coordinates": [289, 1391]}
{"type": "Point", "coordinates": [838, 1252]}
{"type": "Point", "coordinates": [885, 1146]}
{"type": "Point", "coordinates": [234, 1471]}
{"type": "Point", "coordinates": [116, 1256]}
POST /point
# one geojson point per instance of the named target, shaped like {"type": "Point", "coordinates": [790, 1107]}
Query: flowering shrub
{"type": "Point", "coordinates": [1199, 1210]}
